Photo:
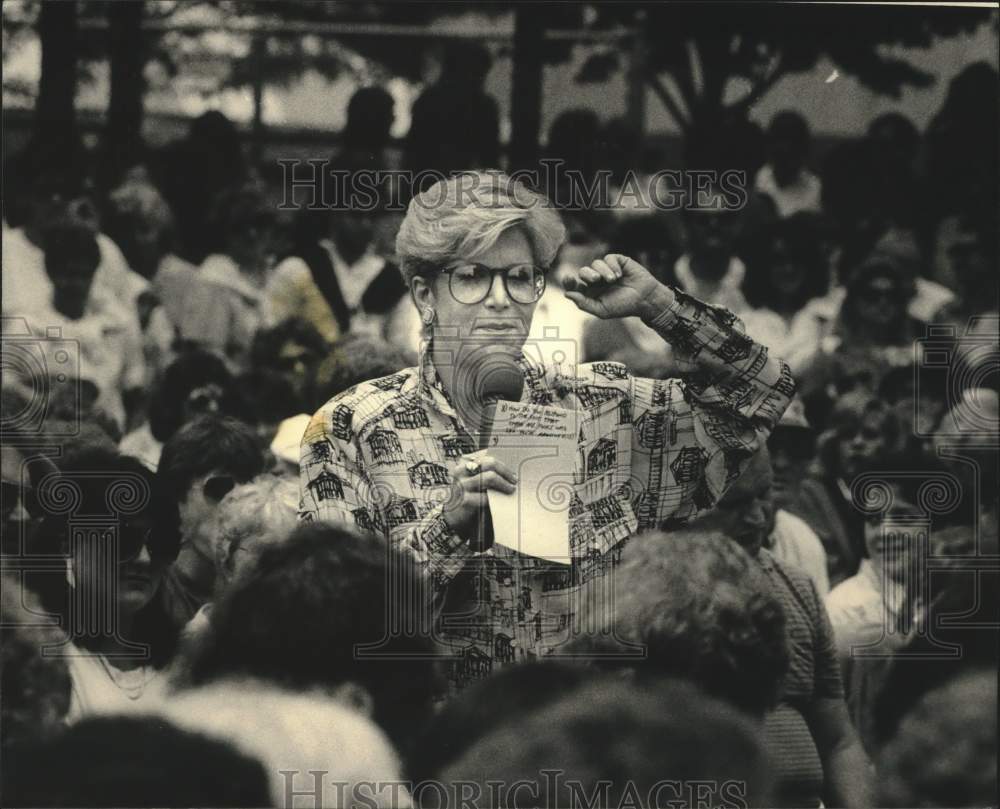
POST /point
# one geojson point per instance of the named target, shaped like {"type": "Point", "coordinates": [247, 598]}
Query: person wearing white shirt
{"type": "Point", "coordinates": [105, 332]}
{"type": "Point", "coordinates": [710, 270]}
{"type": "Point", "coordinates": [229, 305]}
{"type": "Point", "coordinates": [119, 643]}
{"type": "Point", "coordinates": [785, 179]}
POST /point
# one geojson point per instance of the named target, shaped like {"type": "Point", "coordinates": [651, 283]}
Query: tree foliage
{"type": "Point", "coordinates": [701, 47]}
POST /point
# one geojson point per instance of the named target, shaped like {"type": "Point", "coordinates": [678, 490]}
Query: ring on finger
{"type": "Point", "coordinates": [472, 467]}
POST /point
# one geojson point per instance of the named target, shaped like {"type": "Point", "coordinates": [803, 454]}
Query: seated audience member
{"type": "Point", "coordinates": [228, 306]}
{"type": "Point", "coordinates": [249, 519]}
{"type": "Point", "coordinates": [863, 428]}
{"type": "Point", "coordinates": [966, 440]}
{"type": "Point", "coordinates": [311, 745]}
{"type": "Point", "coordinates": [357, 358]}
{"type": "Point", "coordinates": [110, 344]}
{"type": "Point", "coordinates": [615, 743]}
{"type": "Point", "coordinates": [952, 618]}
{"type": "Point", "coordinates": [133, 761]}
{"type": "Point", "coordinates": [294, 350]}
{"type": "Point", "coordinates": [793, 539]}
{"type": "Point", "coordinates": [786, 270]}
{"type": "Point", "coordinates": [23, 465]}
{"type": "Point", "coordinates": [967, 248]}
{"type": "Point", "coordinates": [34, 682]}
{"type": "Point", "coordinates": [816, 752]}
{"type": "Point", "coordinates": [871, 606]}
{"type": "Point", "coordinates": [195, 384]}
{"type": "Point", "coordinates": [919, 408]}
{"type": "Point", "coordinates": [882, 304]}
{"type": "Point", "coordinates": [312, 602]}
{"type": "Point", "coordinates": [872, 331]}
{"type": "Point", "coordinates": [142, 224]}
{"type": "Point", "coordinates": [944, 752]}
{"type": "Point", "coordinates": [699, 607]}
{"type": "Point", "coordinates": [785, 178]}
{"type": "Point", "coordinates": [710, 270]}
{"type": "Point", "coordinates": [57, 191]}
{"type": "Point", "coordinates": [265, 402]}
{"type": "Point", "coordinates": [115, 666]}
{"type": "Point", "coordinates": [486, 705]}
{"type": "Point", "coordinates": [200, 465]}
{"type": "Point", "coordinates": [338, 277]}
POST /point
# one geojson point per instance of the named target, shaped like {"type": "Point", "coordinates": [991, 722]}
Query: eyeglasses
{"type": "Point", "coordinates": [471, 283]}
{"type": "Point", "coordinates": [217, 487]}
{"type": "Point", "coordinates": [132, 539]}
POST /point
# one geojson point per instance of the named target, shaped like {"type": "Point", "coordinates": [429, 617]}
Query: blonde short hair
{"type": "Point", "coordinates": [296, 733]}
{"type": "Point", "coordinates": [265, 507]}
{"type": "Point", "coordinates": [463, 216]}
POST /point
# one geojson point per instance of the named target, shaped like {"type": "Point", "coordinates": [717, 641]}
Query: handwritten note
{"type": "Point", "coordinates": [540, 444]}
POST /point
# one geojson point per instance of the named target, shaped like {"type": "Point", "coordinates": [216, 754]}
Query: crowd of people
{"type": "Point", "coordinates": [243, 506]}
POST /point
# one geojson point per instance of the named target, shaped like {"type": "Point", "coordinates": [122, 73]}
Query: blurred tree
{"type": "Point", "coordinates": [693, 51]}
{"type": "Point", "coordinates": [55, 111]}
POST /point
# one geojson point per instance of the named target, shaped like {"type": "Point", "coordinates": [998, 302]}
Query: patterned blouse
{"type": "Point", "coordinates": [651, 453]}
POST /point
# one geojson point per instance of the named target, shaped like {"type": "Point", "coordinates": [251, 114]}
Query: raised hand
{"type": "Point", "coordinates": [616, 286]}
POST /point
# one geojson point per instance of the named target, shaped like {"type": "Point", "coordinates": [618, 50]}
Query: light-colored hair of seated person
{"type": "Point", "coordinates": [296, 733]}
{"type": "Point", "coordinates": [263, 509]}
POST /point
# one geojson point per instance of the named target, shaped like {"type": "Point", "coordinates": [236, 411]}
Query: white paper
{"type": "Point", "coordinates": [539, 444]}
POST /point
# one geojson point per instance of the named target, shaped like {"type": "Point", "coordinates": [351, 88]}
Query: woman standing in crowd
{"type": "Point", "coordinates": [395, 454]}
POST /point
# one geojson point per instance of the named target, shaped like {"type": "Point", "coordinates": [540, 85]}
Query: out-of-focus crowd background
{"type": "Point", "coordinates": [163, 307]}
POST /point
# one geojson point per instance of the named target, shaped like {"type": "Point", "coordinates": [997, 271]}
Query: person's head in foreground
{"type": "Point", "coordinates": [298, 620]}
{"type": "Point", "coordinates": [309, 743]}
{"type": "Point", "coordinates": [35, 682]}
{"type": "Point", "coordinates": [701, 609]}
{"type": "Point", "coordinates": [945, 751]}
{"type": "Point", "coordinates": [133, 761]}
{"type": "Point", "coordinates": [615, 744]}
{"type": "Point", "coordinates": [745, 513]}
{"type": "Point", "coordinates": [118, 491]}
{"type": "Point", "coordinates": [200, 465]}
{"type": "Point", "coordinates": [251, 518]}
{"type": "Point", "coordinates": [486, 705]}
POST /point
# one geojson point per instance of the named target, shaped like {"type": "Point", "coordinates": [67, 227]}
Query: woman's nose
{"type": "Point", "coordinates": [497, 297]}
{"type": "Point", "coordinates": [144, 556]}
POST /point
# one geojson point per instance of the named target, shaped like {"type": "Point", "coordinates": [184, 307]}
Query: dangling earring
{"type": "Point", "coordinates": [70, 575]}
{"type": "Point", "coordinates": [428, 316]}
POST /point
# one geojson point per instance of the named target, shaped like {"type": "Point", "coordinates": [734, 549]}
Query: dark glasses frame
{"type": "Point", "coordinates": [504, 273]}
{"type": "Point", "coordinates": [218, 486]}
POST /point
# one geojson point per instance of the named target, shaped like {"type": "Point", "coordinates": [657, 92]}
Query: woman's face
{"type": "Point", "coordinates": [498, 323]}
{"type": "Point", "coordinates": [860, 441]}
{"type": "Point", "coordinates": [139, 573]}
{"type": "Point", "coordinates": [787, 276]}
{"type": "Point", "coordinates": [880, 301]}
